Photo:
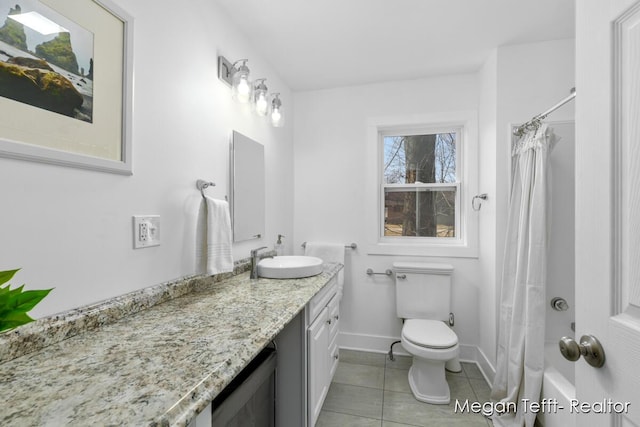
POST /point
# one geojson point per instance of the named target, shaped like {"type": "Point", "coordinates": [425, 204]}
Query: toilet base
{"type": "Point", "coordinates": [453, 365]}
{"type": "Point", "coordinates": [428, 382]}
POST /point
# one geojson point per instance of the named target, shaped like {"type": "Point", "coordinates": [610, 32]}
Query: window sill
{"type": "Point", "coordinates": [449, 250]}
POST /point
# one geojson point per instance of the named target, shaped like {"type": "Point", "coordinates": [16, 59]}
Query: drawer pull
{"type": "Point", "coordinates": [336, 317]}
{"type": "Point", "coordinates": [329, 321]}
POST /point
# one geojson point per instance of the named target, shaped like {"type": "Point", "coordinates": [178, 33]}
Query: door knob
{"type": "Point", "coordinates": [589, 348]}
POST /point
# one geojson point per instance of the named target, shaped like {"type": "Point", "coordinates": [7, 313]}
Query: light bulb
{"type": "Point", "coordinates": [276, 117]}
{"type": "Point", "coordinates": [276, 111]}
{"type": "Point", "coordinates": [260, 101]}
{"type": "Point", "coordinates": [243, 90]}
{"type": "Point", "coordinates": [262, 106]}
{"type": "Point", "coordinates": [241, 86]}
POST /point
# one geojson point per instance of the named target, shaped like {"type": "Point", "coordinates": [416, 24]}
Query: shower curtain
{"type": "Point", "coordinates": [520, 358]}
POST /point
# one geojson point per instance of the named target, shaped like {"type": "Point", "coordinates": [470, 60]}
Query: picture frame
{"type": "Point", "coordinates": [95, 136]}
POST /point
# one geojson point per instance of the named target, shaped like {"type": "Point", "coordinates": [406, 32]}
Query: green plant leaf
{"type": "Point", "coordinates": [25, 301]}
{"type": "Point", "coordinates": [4, 296]}
{"type": "Point", "coordinates": [13, 319]}
{"type": "Point", "coordinates": [15, 303]}
{"type": "Point", "coordinates": [5, 276]}
{"type": "Point", "coordinates": [14, 292]}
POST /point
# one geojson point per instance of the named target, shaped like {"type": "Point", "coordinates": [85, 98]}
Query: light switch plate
{"type": "Point", "coordinates": [146, 231]}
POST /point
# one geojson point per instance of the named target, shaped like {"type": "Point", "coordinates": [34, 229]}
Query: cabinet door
{"type": "Point", "coordinates": [332, 358]}
{"type": "Point", "coordinates": [334, 317]}
{"type": "Point", "coordinates": [318, 335]}
{"type": "Point", "coordinates": [334, 321]}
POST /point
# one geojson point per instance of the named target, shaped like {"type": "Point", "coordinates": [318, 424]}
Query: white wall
{"type": "Point", "coordinates": [515, 83]}
{"type": "Point", "coordinates": [330, 137]}
{"type": "Point", "coordinates": [71, 229]}
{"type": "Point", "coordinates": [488, 115]}
{"type": "Point", "coordinates": [528, 79]}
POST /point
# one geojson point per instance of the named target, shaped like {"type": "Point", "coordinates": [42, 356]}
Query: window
{"type": "Point", "coordinates": [422, 174]}
{"type": "Point", "coordinates": [420, 184]}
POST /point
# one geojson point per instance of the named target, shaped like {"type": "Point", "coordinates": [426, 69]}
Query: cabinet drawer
{"type": "Point", "coordinates": [321, 299]}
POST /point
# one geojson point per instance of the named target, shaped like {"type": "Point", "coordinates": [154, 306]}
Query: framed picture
{"type": "Point", "coordinates": [66, 76]}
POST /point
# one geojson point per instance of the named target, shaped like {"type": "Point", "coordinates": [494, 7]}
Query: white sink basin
{"type": "Point", "coordinates": [289, 267]}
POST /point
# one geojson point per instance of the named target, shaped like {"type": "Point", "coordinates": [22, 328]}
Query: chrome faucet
{"type": "Point", "coordinates": [254, 261]}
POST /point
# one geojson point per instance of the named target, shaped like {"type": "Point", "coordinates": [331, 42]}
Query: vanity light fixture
{"type": "Point", "coordinates": [236, 75]}
{"type": "Point", "coordinates": [276, 111]}
{"type": "Point", "coordinates": [260, 95]}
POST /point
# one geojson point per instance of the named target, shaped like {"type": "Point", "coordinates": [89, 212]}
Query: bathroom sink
{"type": "Point", "coordinates": [289, 267]}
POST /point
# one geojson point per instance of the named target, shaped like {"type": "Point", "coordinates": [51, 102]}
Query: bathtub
{"type": "Point", "coordinates": [559, 384]}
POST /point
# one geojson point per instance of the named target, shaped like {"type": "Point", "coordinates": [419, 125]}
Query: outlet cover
{"type": "Point", "coordinates": [146, 231]}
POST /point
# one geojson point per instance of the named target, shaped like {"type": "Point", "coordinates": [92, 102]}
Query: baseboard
{"type": "Point", "coordinates": [370, 343]}
{"type": "Point", "coordinates": [486, 367]}
{"type": "Point", "coordinates": [381, 344]}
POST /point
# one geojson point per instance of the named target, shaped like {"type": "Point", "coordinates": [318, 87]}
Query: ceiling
{"type": "Point", "coordinates": [317, 44]}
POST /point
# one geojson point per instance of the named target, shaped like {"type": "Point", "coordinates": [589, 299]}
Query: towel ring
{"type": "Point", "coordinates": [479, 197]}
{"type": "Point", "coordinates": [202, 184]}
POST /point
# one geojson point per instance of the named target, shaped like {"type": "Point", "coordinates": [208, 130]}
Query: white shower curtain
{"type": "Point", "coordinates": [520, 361]}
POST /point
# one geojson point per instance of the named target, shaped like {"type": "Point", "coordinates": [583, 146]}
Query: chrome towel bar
{"type": "Point", "coordinates": [387, 272]}
{"type": "Point", "coordinates": [351, 246]}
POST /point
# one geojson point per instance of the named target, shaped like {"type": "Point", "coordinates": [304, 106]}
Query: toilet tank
{"type": "Point", "coordinates": [423, 290]}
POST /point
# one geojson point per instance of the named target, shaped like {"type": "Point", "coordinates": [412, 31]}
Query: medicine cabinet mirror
{"type": "Point", "coordinates": [247, 188]}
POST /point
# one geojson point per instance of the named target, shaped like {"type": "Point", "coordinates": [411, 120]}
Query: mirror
{"type": "Point", "coordinates": [247, 188]}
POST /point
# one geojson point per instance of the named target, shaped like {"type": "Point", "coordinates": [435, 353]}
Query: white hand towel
{"type": "Point", "coordinates": [328, 252]}
{"type": "Point", "coordinates": [219, 257]}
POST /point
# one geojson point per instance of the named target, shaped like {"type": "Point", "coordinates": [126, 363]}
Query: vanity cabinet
{"type": "Point", "coordinates": [306, 362]}
{"type": "Point", "coordinates": [322, 342]}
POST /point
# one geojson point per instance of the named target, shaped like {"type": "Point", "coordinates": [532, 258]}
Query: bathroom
{"type": "Point", "coordinates": [70, 228]}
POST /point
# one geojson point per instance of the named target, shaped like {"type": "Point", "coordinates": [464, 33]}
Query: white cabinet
{"type": "Point", "coordinates": [322, 341]}
{"type": "Point", "coordinates": [318, 364]}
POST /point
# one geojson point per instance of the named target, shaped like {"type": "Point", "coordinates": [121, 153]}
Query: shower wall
{"type": "Point", "coordinates": [561, 256]}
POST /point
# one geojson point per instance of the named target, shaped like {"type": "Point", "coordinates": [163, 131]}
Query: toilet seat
{"type": "Point", "coordinates": [429, 334]}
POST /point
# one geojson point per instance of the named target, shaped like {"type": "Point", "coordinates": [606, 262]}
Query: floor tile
{"type": "Point", "coordinates": [355, 397]}
{"type": "Point", "coordinates": [392, 424]}
{"type": "Point", "coordinates": [399, 362]}
{"type": "Point", "coordinates": [460, 388]}
{"type": "Point", "coordinates": [335, 419]}
{"type": "Point", "coordinates": [362, 357]}
{"type": "Point", "coordinates": [354, 400]}
{"type": "Point", "coordinates": [405, 409]}
{"type": "Point", "coordinates": [360, 375]}
{"type": "Point", "coordinates": [481, 389]}
{"type": "Point", "coordinates": [397, 380]}
{"type": "Point", "coordinates": [472, 370]}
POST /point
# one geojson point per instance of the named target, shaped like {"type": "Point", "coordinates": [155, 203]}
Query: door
{"type": "Point", "coordinates": [607, 209]}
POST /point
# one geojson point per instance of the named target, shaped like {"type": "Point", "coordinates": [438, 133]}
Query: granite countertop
{"type": "Point", "coordinates": [160, 366]}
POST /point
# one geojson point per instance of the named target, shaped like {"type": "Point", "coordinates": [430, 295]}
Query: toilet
{"type": "Point", "coordinates": [423, 301]}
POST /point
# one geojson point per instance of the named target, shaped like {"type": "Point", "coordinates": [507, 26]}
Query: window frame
{"type": "Point", "coordinates": [428, 130]}
{"type": "Point", "coordinates": [465, 244]}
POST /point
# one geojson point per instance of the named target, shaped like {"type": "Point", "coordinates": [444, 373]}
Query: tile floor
{"type": "Point", "coordinates": [368, 389]}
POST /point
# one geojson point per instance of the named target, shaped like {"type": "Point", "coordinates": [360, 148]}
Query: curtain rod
{"type": "Point", "coordinates": [536, 121]}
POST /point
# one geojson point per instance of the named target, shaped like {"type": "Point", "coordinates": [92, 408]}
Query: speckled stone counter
{"type": "Point", "coordinates": [158, 366]}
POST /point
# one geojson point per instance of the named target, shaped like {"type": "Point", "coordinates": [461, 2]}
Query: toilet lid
{"type": "Point", "coordinates": [429, 333]}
